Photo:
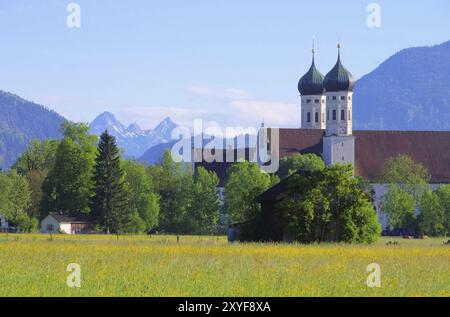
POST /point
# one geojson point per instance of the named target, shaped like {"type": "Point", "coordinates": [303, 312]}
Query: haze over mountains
{"type": "Point", "coordinates": [409, 91]}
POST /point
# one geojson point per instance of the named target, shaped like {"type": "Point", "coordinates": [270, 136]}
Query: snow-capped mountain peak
{"type": "Point", "coordinates": [107, 121]}
{"type": "Point", "coordinates": [164, 129]}
{"type": "Point", "coordinates": [132, 139]}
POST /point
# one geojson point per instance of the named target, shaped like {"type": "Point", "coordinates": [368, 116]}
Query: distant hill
{"type": "Point", "coordinates": [409, 91]}
{"type": "Point", "coordinates": [22, 121]}
{"type": "Point", "coordinates": [132, 139]}
{"type": "Point", "coordinates": [155, 153]}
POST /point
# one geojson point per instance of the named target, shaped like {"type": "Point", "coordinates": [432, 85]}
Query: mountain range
{"type": "Point", "coordinates": [132, 139]}
{"type": "Point", "coordinates": [409, 91]}
{"type": "Point", "coordinates": [22, 121]}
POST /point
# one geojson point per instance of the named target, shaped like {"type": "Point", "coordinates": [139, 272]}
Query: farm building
{"type": "Point", "coordinates": [60, 223]}
{"type": "Point", "coordinates": [4, 225]}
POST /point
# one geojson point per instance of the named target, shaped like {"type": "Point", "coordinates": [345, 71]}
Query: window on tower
{"type": "Point", "coordinates": [349, 115]}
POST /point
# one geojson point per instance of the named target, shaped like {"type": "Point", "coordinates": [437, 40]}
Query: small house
{"type": "Point", "coordinates": [61, 223]}
{"type": "Point", "coordinates": [3, 222]}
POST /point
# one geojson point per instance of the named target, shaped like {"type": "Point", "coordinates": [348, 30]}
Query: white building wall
{"type": "Point", "coordinates": [3, 222]}
{"type": "Point", "coordinates": [50, 221]}
{"type": "Point", "coordinates": [339, 150]}
{"type": "Point", "coordinates": [336, 103]}
{"type": "Point", "coordinates": [313, 104]}
{"type": "Point", "coordinates": [66, 228]}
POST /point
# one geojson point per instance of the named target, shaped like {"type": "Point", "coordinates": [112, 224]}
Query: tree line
{"type": "Point", "coordinates": [81, 173]}
{"type": "Point", "coordinates": [412, 206]}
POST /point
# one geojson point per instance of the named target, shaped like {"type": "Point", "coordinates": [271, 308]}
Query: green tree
{"type": "Point", "coordinates": [173, 182]}
{"type": "Point", "coordinates": [293, 163]}
{"type": "Point", "coordinates": [402, 173]}
{"type": "Point", "coordinates": [68, 185]}
{"type": "Point", "coordinates": [18, 202]}
{"type": "Point", "coordinates": [443, 192]}
{"type": "Point", "coordinates": [329, 205]}
{"type": "Point", "coordinates": [35, 163]}
{"type": "Point", "coordinates": [141, 199]}
{"type": "Point", "coordinates": [409, 175]}
{"type": "Point", "coordinates": [399, 206]}
{"type": "Point", "coordinates": [432, 215]}
{"type": "Point", "coordinates": [245, 182]}
{"type": "Point", "coordinates": [39, 156]}
{"type": "Point", "coordinates": [109, 203]}
{"type": "Point", "coordinates": [203, 214]}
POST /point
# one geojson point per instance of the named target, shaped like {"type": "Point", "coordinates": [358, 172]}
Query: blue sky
{"type": "Point", "coordinates": [230, 62]}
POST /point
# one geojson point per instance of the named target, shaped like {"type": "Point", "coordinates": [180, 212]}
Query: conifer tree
{"type": "Point", "coordinates": [108, 204]}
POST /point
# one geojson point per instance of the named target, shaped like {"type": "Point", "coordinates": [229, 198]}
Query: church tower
{"type": "Point", "coordinates": [338, 143]}
{"type": "Point", "coordinates": [313, 102]}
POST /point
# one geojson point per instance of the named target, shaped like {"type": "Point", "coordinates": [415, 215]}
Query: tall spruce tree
{"type": "Point", "coordinates": [108, 204]}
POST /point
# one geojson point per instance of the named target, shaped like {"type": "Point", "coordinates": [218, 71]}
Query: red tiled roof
{"type": "Point", "coordinates": [431, 149]}
{"type": "Point", "coordinates": [372, 149]}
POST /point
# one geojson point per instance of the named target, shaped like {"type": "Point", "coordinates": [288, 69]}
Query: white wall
{"type": "Point", "coordinates": [312, 107]}
{"type": "Point", "coordinates": [339, 150]}
{"type": "Point", "coordinates": [49, 220]}
{"type": "Point", "coordinates": [3, 222]}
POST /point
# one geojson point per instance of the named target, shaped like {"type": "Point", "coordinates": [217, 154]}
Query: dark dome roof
{"type": "Point", "coordinates": [312, 82]}
{"type": "Point", "coordinates": [339, 79]}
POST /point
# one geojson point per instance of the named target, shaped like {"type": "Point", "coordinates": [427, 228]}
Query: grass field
{"type": "Point", "coordinates": [34, 265]}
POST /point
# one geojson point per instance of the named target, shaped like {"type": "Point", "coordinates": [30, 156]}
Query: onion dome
{"type": "Point", "coordinates": [312, 82]}
{"type": "Point", "coordinates": [339, 78]}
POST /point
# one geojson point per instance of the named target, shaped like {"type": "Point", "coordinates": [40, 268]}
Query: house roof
{"type": "Point", "coordinates": [61, 218]}
{"type": "Point", "coordinates": [372, 149]}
